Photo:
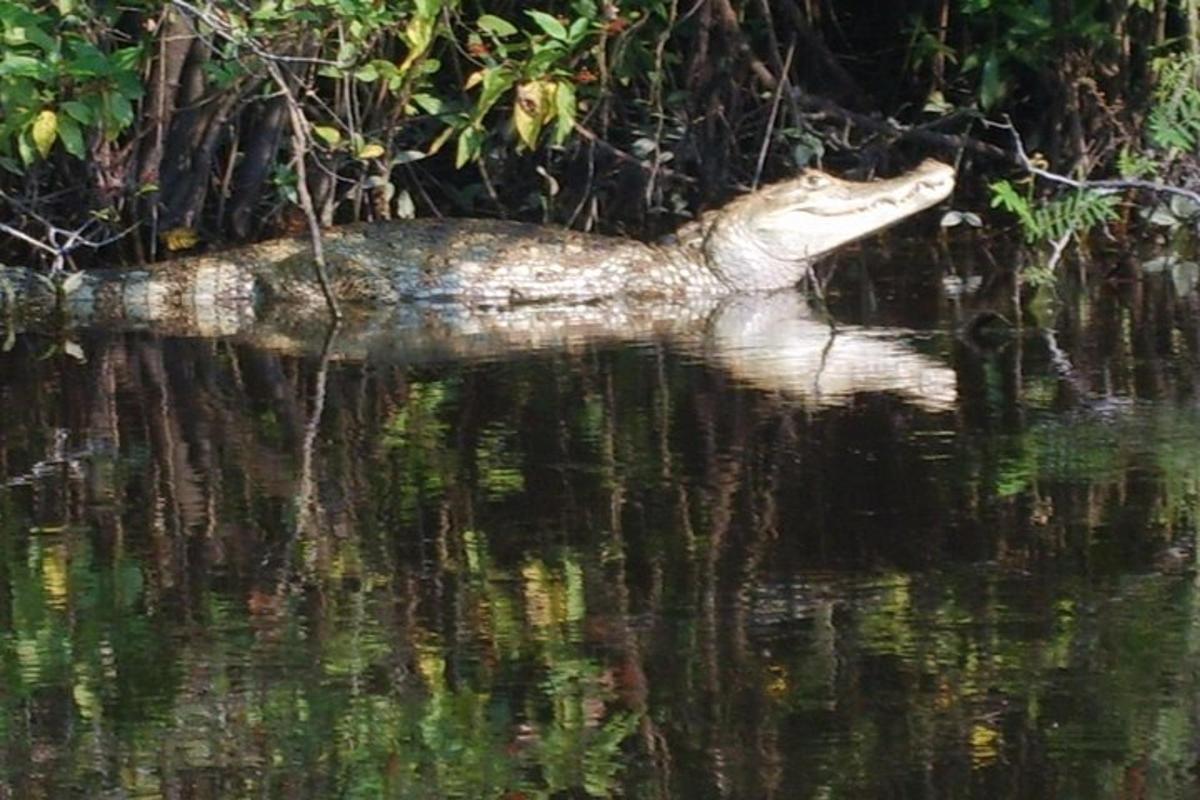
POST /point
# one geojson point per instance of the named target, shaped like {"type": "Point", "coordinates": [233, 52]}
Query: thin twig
{"type": "Point", "coordinates": [592, 136]}
{"type": "Point", "coordinates": [300, 145]}
{"type": "Point", "coordinates": [29, 240]}
{"type": "Point", "coordinates": [656, 102]}
{"type": "Point", "coordinates": [60, 242]}
{"type": "Point", "coordinates": [766, 143]}
{"type": "Point", "coordinates": [1106, 184]}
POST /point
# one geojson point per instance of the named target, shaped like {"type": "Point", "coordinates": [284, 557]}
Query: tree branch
{"type": "Point", "coordinates": [1106, 184]}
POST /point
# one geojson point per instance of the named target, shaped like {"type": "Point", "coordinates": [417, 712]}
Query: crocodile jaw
{"type": "Point", "coordinates": [767, 239]}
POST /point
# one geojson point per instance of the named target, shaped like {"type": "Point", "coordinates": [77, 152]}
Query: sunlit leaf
{"type": "Point", "coordinates": [549, 24]}
{"type": "Point", "coordinates": [328, 134]}
{"type": "Point", "coordinates": [75, 351]}
{"type": "Point", "coordinates": [470, 144]}
{"type": "Point", "coordinates": [407, 157]}
{"type": "Point", "coordinates": [566, 108]}
{"type": "Point", "coordinates": [953, 219]}
{"type": "Point", "coordinates": [369, 151]}
{"type": "Point", "coordinates": [44, 131]}
{"type": "Point", "coordinates": [405, 208]}
{"type": "Point", "coordinates": [71, 283]}
{"type": "Point", "coordinates": [181, 238]}
{"type": "Point", "coordinates": [497, 26]}
{"type": "Point", "coordinates": [440, 140]}
{"type": "Point", "coordinates": [418, 35]}
{"type": "Point", "coordinates": [532, 109]}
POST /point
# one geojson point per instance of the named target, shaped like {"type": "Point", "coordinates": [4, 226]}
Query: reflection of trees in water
{"type": "Point", "coordinates": [602, 568]}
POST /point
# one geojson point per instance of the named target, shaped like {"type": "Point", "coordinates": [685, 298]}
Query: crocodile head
{"type": "Point", "coordinates": [767, 239]}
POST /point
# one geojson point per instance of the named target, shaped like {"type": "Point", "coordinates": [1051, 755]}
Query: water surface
{"type": "Point", "coordinates": [669, 567]}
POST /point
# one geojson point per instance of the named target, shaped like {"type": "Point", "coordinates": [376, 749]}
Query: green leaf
{"type": "Point", "coordinates": [88, 61]}
{"type": "Point", "coordinates": [80, 112]}
{"type": "Point", "coordinates": [496, 26]}
{"type": "Point", "coordinates": [71, 136]}
{"type": "Point", "coordinates": [565, 108]}
{"type": "Point", "coordinates": [18, 66]}
{"type": "Point", "coordinates": [328, 134]}
{"type": "Point", "coordinates": [470, 144]}
{"type": "Point", "coordinates": [429, 103]}
{"type": "Point", "coordinates": [429, 8]}
{"type": "Point", "coordinates": [44, 131]}
{"type": "Point", "coordinates": [549, 24]}
{"type": "Point", "coordinates": [991, 87]}
{"type": "Point", "coordinates": [25, 148]}
{"type": "Point", "coordinates": [118, 113]}
{"type": "Point", "coordinates": [496, 81]}
{"type": "Point", "coordinates": [579, 29]}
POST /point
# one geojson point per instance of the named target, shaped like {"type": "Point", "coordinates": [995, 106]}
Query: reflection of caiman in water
{"type": "Point", "coordinates": [770, 340]}
{"type": "Point", "coordinates": [472, 288]}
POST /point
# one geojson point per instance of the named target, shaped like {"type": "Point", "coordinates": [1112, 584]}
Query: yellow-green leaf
{"type": "Point", "coordinates": [418, 35]}
{"type": "Point", "coordinates": [328, 134]}
{"type": "Point", "coordinates": [565, 110]}
{"type": "Point", "coordinates": [470, 144]}
{"type": "Point", "coordinates": [534, 105]}
{"type": "Point", "coordinates": [440, 140]}
{"type": "Point", "coordinates": [44, 131]}
{"type": "Point", "coordinates": [369, 151]}
{"type": "Point", "coordinates": [181, 238]}
{"type": "Point", "coordinates": [528, 125]}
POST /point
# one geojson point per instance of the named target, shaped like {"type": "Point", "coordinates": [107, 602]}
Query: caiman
{"type": "Point", "coordinates": [761, 241]}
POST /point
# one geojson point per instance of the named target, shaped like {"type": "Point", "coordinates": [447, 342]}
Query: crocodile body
{"type": "Point", "coordinates": [762, 241]}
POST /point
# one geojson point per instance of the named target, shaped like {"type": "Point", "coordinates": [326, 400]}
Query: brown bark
{"type": "Point", "coordinates": [175, 39]}
{"type": "Point", "coordinates": [258, 155]}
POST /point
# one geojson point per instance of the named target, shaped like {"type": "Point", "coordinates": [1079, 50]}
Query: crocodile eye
{"type": "Point", "coordinates": [814, 180]}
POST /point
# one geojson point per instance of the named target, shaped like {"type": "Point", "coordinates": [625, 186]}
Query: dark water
{"type": "Point", "coordinates": [613, 569]}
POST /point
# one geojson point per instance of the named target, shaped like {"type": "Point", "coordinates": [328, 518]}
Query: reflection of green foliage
{"type": "Point", "coordinates": [416, 423]}
{"type": "Point", "coordinates": [77, 631]}
{"type": "Point", "coordinates": [499, 462]}
{"type": "Point", "coordinates": [1100, 447]}
{"type": "Point", "coordinates": [268, 427]}
{"type": "Point", "coordinates": [479, 665]}
{"type": "Point", "coordinates": [415, 436]}
{"type": "Point", "coordinates": [279, 701]}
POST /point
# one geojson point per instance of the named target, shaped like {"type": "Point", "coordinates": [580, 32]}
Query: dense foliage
{"type": "Point", "coordinates": [186, 120]}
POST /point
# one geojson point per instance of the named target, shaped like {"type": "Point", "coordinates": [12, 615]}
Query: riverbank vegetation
{"type": "Point", "coordinates": [140, 128]}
